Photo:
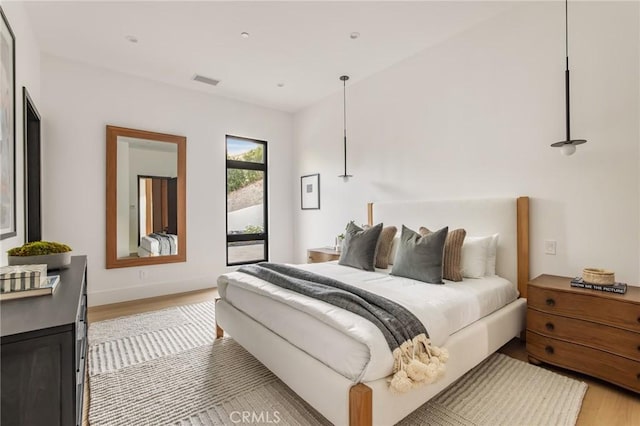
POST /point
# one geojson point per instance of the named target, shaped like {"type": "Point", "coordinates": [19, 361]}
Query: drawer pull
{"type": "Point", "coordinates": [549, 350]}
{"type": "Point", "coordinates": [551, 302]}
{"type": "Point", "coordinates": [550, 327]}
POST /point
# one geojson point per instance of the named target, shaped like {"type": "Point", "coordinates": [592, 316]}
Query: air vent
{"type": "Point", "coordinates": [205, 80]}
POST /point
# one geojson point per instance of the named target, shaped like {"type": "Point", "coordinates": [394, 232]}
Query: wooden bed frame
{"type": "Point", "coordinates": [360, 395]}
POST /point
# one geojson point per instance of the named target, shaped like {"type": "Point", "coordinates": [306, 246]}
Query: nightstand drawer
{"type": "Point", "coordinates": [616, 369]}
{"type": "Point", "coordinates": [598, 336]}
{"type": "Point", "coordinates": [322, 255]}
{"type": "Point", "coordinates": [592, 307]}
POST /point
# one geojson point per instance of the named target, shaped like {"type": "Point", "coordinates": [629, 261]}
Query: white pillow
{"type": "Point", "coordinates": [492, 253]}
{"type": "Point", "coordinates": [474, 256]}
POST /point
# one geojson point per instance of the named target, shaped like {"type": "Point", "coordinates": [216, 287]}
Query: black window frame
{"type": "Point", "coordinates": [247, 165]}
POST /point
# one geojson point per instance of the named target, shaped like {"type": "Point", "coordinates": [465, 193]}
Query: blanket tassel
{"type": "Point", "coordinates": [416, 363]}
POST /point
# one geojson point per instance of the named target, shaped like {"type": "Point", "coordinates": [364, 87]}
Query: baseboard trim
{"type": "Point", "coordinates": [147, 291]}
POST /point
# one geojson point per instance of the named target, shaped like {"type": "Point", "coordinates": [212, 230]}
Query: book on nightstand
{"type": "Point", "coordinates": [49, 287]}
{"type": "Point", "coordinates": [619, 288]}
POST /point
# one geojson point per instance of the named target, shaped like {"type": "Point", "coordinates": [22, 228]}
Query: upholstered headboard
{"type": "Point", "coordinates": [507, 216]}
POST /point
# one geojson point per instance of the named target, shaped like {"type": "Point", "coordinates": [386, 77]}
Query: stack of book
{"type": "Point", "coordinates": [20, 281]}
{"type": "Point", "coordinates": [620, 288]}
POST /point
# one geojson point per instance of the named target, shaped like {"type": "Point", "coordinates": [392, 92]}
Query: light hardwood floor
{"type": "Point", "coordinates": [104, 312]}
{"type": "Point", "coordinates": [604, 404]}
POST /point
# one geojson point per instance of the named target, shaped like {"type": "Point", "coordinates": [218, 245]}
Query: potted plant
{"type": "Point", "coordinates": [54, 255]}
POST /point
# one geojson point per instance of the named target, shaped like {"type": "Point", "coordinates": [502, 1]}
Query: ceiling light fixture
{"type": "Point", "coordinates": [344, 79]}
{"type": "Point", "coordinates": [354, 35]}
{"type": "Point", "coordinates": [245, 34]}
{"type": "Point", "coordinates": [131, 38]}
{"type": "Point", "coordinates": [567, 146]}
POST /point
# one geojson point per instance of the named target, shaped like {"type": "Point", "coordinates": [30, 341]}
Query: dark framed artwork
{"type": "Point", "coordinates": [32, 169]}
{"type": "Point", "coordinates": [7, 130]}
{"type": "Point", "coordinates": [310, 192]}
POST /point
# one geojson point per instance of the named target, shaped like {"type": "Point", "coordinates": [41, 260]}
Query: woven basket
{"type": "Point", "coordinates": [598, 276]}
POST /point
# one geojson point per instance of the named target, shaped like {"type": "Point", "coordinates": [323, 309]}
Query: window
{"type": "Point", "coordinates": [247, 230]}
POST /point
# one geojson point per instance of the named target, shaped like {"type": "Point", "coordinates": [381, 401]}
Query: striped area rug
{"type": "Point", "coordinates": [165, 367]}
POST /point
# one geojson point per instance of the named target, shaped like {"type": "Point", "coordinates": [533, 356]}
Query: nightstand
{"type": "Point", "coordinates": [589, 331]}
{"type": "Point", "coordinates": [322, 254]}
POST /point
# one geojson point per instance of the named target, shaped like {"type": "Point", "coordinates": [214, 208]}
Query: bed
{"type": "Point", "coordinates": [158, 244]}
{"type": "Point", "coordinates": [346, 392]}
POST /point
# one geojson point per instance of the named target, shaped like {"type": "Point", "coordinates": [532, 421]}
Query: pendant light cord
{"type": "Point", "coordinates": [344, 79]}
{"type": "Point", "coordinates": [567, 145]}
{"type": "Point", "coordinates": [566, 31]}
{"type": "Point", "coordinates": [344, 106]}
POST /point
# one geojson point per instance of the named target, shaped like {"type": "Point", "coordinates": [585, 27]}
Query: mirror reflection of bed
{"type": "Point", "coordinates": [157, 216]}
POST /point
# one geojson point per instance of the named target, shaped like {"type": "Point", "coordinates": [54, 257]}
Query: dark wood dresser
{"type": "Point", "coordinates": [43, 351]}
{"type": "Point", "coordinates": [589, 331]}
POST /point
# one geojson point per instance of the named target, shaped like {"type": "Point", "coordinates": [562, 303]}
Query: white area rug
{"type": "Point", "coordinates": [165, 367]}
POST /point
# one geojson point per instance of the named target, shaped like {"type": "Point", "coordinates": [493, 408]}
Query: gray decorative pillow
{"type": "Point", "coordinates": [420, 257]}
{"type": "Point", "coordinates": [359, 249]}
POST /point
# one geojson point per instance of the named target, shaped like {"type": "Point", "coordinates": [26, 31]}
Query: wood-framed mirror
{"type": "Point", "coordinates": [146, 198]}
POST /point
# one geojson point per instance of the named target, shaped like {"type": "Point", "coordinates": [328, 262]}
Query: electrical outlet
{"type": "Point", "coordinates": [550, 247]}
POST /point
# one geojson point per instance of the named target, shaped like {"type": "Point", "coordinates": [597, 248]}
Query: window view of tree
{"type": "Point", "coordinates": [238, 178]}
{"type": "Point", "coordinates": [246, 207]}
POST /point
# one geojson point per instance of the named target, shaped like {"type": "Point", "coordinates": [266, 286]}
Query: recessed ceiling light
{"type": "Point", "coordinates": [280, 84]}
{"type": "Point", "coordinates": [244, 34]}
{"type": "Point", "coordinates": [132, 38]}
{"type": "Point", "coordinates": [354, 35]}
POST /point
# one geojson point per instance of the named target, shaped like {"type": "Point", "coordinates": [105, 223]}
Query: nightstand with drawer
{"type": "Point", "coordinates": [322, 254]}
{"type": "Point", "coordinates": [589, 331]}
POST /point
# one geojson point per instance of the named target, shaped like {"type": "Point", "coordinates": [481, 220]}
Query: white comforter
{"type": "Point", "coordinates": [149, 246]}
{"type": "Point", "coordinates": [348, 343]}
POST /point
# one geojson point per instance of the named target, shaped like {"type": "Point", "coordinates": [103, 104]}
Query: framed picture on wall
{"type": "Point", "coordinates": [310, 192]}
{"type": "Point", "coordinates": [7, 130]}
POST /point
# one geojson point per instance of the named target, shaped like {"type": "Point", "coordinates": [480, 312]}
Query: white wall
{"type": "Point", "coordinates": [79, 101]}
{"type": "Point", "coordinates": [27, 75]}
{"type": "Point", "coordinates": [474, 117]}
{"type": "Point", "coordinates": [638, 90]}
{"type": "Point", "coordinates": [239, 219]}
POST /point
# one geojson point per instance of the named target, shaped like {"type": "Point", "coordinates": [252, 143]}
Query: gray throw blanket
{"type": "Point", "coordinates": [166, 243]}
{"type": "Point", "coordinates": [415, 360]}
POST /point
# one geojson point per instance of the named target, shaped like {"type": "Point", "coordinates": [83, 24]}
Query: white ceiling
{"type": "Point", "coordinates": [305, 45]}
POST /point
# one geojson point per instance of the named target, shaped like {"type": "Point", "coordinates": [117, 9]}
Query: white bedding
{"type": "Point", "coordinates": [151, 247]}
{"type": "Point", "coordinates": [348, 343]}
